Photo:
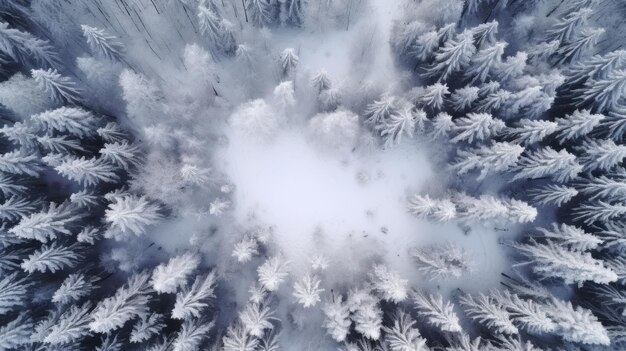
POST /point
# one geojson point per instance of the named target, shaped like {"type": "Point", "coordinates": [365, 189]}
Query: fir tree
{"type": "Point", "coordinates": [61, 89]}
{"type": "Point", "coordinates": [102, 43]}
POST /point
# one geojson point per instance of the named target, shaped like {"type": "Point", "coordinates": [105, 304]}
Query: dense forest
{"type": "Point", "coordinates": [354, 175]}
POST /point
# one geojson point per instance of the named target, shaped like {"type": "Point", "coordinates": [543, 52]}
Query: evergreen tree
{"type": "Point", "coordinates": [72, 120]}
{"type": "Point", "coordinates": [307, 290]}
{"type": "Point", "coordinates": [129, 301]}
{"type": "Point", "coordinates": [74, 288]}
{"type": "Point", "coordinates": [59, 88]}
{"type": "Point", "coordinates": [146, 327]}
{"type": "Point", "coordinates": [497, 157]}
{"type": "Point", "coordinates": [489, 312]}
{"type": "Point", "coordinates": [272, 273]}
{"type": "Point", "coordinates": [72, 325]}
{"type": "Point", "coordinates": [102, 43]}
{"type": "Point", "coordinates": [131, 214]}
{"type": "Point", "coordinates": [337, 318]}
{"type": "Point", "coordinates": [552, 194]}
{"type": "Point", "coordinates": [192, 301]}
{"type": "Point", "coordinates": [437, 312]}
{"type": "Point", "coordinates": [403, 336]}
{"type": "Point", "coordinates": [453, 57]}
{"type": "Point", "coordinates": [52, 258]}
{"type": "Point", "coordinates": [601, 154]}
{"type": "Point", "coordinates": [20, 162]}
{"type": "Point", "coordinates": [476, 126]}
{"type": "Point", "coordinates": [388, 284]}
{"type": "Point", "coordinates": [13, 292]}
{"type": "Point", "coordinates": [49, 223]}
{"type": "Point", "coordinates": [191, 335]}
{"type": "Point", "coordinates": [551, 260]}
{"type": "Point", "coordinates": [547, 162]}
{"type": "Point", "coordinates": [167, 278]}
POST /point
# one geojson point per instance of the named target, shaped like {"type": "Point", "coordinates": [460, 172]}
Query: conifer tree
{"type": "Point", "coordinates": [146, 327]}
{"type": "Point", "coordinates": [72, 325]}
{"type": "Point", "coordinates": [59, 88]}
{"type": "Point", "coordinates": [129, 301]}
{"type": "Point", "coordinates": [191, 301]}
{"type": "Point", "coordinates": [437, 312]}
{"type": "Point", "coordinates": [551, 260]}
{"type": "Point", "coordinates": [453, 57]}
{"type": "Point", "coordinates": [52, 258]}
{"type": "Point", "coordinates": [337, 318]}
{"type": "Point", "coordinates": [167, 278]}
{"type": "Point", "coordinates": [307, 290]}
{"type": "Point", "coordinates": [102, 43]}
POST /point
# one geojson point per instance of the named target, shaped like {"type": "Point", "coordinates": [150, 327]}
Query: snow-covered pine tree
{"type": "Point", "coordinates": [551, 260]}
{"type": "Point", "coordinates": [124, 155]}
{"type": "Point", "coordinates": [257, 318]}
{"type": "Point", "coordinates": [261, 12]}
{"type": "Point", "coordinates": [497, 157]}
{"type": "Point", "coordinates": [476, 126]}
{"type": "Point", "coordinates": [572, 237]}
{"type": "Point", "coordinates": [131, 214]}
{"type": "Point", "coordinates": [101, 43]}
{"type": "Point", "coordinates": [238, 339]}
{"type": "Point", "coordinates": [603, 94]}
{"type": "Point", "coordinates": [14, 291]}
{"type": "Point", "coordinates": [437, 312]}
{"type": "Point", "coordinates": [403, 335]}
{"type": "Point", "coordinates": [389, 284]}
{"type": "Point", "coordinates": [579, 46]}
{"type": "Point", "coordinates": [87, 171]}
{"type": "Point", "coordinates": [577, 324]}
{"type": "Point", "coordinates": [443, 260]}
{"type": "Point", "coordinates": [400, 123]}
{"type": "Point", "coordinates": [435, 209]}
{"type": "Point", "coordinates": [146, 327]}
{"type": "Point", "coordinates": [16, 332]}
{"type": "Point", "coordinates": [15, 208]}
{"type": "Point", "coordinates": [578, 124]}
{"type": "Point", "coordinates": [307, 290]}
{"type": "Point", "coordinates": [600, 154]}
{"type": "Point", "coordinates": [432, 96]}
{"type": "Point", "coordinates": [463, 98]}
{"type": "Point", "coordinates": [272, 273]}
{"type": "Point", "coordinates": [288, 61]}
{"type": "Point", "coordinates": [71, 326]}
{"type": "Point", "coordinates": [380, 110]}
{"type": "Point", "coordinates": [566, 28]}
{"type": "Point", "coordinates": [485, 61]}
{"type": "Point", "coordinates": [365, 313]}
{"type": "Point", "coordinates": [20, 162]}
{"type": "Point", "coordinates": [130, 301]}
{"type": "Point", "coordinates": [453, 57]}
{"type": "Point", "coordinates": [73, 120]}
{"type": "Point", "coordinates": [52, 258]}
{"type": "Point", "coordinates": [337, 318]}
{"type": "Point", "coordinates": [561, 166]}
{"type": "Point", "coordinates": [527, 314]}
{"type": "Point", "coordinates": [599, 211]}
{"type": "Point", "coordinates": [192, 333]}
{"type": "Point", "coordinates": [23, 47]}
{"type": "Point", "coordinates": [60, 89]}
{"type": "Point", "coordinates": [74, 288]}
{"type": "Point", "coordinates": [552, 194]}
{"type": "Point", "coordinates": [191, 301]}
{"type": "Point", "coordinates": [489, 312]}
{"type": "Point", "coordinates": [167, 278]}
{"type": "Point", "coordinates": [529, 131]}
